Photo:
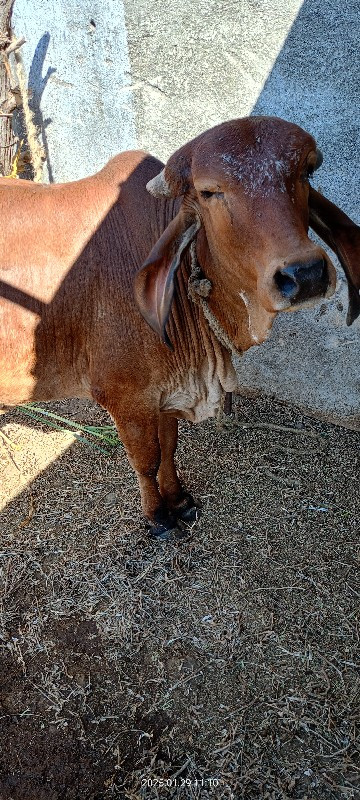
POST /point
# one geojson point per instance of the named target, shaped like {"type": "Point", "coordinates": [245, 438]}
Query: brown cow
{"type": "Point", "coordinates": [226, 226]}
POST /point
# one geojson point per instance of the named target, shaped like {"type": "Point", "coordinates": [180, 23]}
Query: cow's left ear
{"type": "Point", "coordinates": [154, 283]}
{"type": "Point", "coordinates": [343, 236]}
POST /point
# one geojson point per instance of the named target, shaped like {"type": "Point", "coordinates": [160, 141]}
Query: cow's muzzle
{"type": "Point", "coordinates": [300, 282]}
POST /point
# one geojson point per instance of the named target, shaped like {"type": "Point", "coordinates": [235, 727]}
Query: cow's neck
{"type": "Point", "coordinates": [202, 369]}
{"type": "Point", "coordinates": [199, 289]}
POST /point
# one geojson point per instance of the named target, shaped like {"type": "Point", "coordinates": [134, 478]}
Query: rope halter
{"type": "Point", "coordinates": [199, 289]}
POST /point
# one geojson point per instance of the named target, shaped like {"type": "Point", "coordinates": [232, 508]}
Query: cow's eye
{"type": "Point", "coordinates": [206, 194]}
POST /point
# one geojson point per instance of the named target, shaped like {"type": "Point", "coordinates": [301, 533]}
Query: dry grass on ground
{"type": "Point", "coordinates": [226, 665]}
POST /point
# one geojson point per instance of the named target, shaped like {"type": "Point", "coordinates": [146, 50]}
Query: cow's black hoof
{"type": "Point", "coordinates": [161, 533]}
{"type": "Point", "coordinates": [187, 511]}
{"type": "Point", "coordinates": [189, 515]}
{"type": "Point", "coordinates": [162, 527]}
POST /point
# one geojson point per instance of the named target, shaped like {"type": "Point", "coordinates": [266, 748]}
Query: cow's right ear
{"type": "Point", "coordinates": [343, 236]}
{"type": "Point", "coordinates": [154, 283]}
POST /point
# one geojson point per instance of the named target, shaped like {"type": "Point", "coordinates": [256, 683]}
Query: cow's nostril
{"type": "Point", "coordinates": [300, 282]}
{"type": "Point", "coordinates": [286, 284]}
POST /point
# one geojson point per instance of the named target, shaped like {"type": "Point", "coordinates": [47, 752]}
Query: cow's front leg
{"type": "Point", "coordinates": [140, 437]}
{"type": "Point", "coordinates": [178, 500]}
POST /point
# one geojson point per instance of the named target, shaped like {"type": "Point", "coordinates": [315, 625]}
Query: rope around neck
{"type": "Point", "coordinates": [198, 290]}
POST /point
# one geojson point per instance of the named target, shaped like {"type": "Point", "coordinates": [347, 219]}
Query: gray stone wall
{"type": "Point", "coordinates": [108, 76]}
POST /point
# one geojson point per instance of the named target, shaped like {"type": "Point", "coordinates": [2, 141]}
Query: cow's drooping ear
{"type": "Point", "coordinates": [154, 283]}
{"type": "Point", "coordinates": [343, 236]}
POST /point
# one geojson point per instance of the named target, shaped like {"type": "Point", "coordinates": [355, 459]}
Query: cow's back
{"type": "Point", "coordinates": [67, 257]}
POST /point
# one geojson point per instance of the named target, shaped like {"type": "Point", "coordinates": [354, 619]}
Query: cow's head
{"type": "Point", "coordinates": [245, 196]}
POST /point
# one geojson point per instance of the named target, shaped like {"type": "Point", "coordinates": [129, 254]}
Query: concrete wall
{"type": "Point", "coordinates": [78, 65]}
{"type": "Point", "coordinates": [108, 76]}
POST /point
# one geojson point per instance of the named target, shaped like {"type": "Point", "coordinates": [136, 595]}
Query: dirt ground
{"type": "Point", "coordinates": [224, 666]}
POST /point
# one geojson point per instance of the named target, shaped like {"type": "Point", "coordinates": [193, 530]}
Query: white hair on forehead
{"type": "Point", "coordinates": [259, 173]}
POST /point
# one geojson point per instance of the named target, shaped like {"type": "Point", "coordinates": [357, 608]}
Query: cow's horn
{"type": "Point", "coordinates": [158, 186]}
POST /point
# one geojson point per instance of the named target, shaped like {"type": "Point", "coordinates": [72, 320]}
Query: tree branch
{"type": "Point", "coordinates": [6, 7]}
{"type": "Point", "coordinates": [7, 137]}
